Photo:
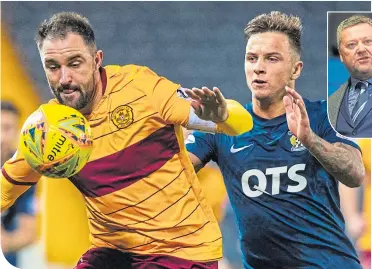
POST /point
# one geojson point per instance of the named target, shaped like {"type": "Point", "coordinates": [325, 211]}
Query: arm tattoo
{"type": "Point", "coordinates": [342, 161]}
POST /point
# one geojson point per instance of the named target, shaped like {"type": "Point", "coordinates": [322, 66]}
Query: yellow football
{"type": "Point", "coordinates": [56, 141]}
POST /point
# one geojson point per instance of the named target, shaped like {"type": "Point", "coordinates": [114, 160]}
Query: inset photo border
{"type": "Point", "coordinates": [349, 72]}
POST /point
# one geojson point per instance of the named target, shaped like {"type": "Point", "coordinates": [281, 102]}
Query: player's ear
{"type": "Point", "coordinates": [296, 70]}
{"type": "Point", "coordinates": [98, 59]}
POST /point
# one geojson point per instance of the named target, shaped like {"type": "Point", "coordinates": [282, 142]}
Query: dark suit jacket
{"type": "Point", "coordinates": [363, 126]}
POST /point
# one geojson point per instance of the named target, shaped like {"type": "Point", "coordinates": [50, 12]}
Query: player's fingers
{"type": "Point", "coordinates": [208, 94]}
{"type": "Point", "coordinates": [289, 109]}
{"type": "Point", "coordinates": [198, 93]}
{"type": "Point", "coordinates": [299, 105]}
{"type": "Point", "coordinates": [192, 95]}
{"type": "Point", "coordinates": [219, 96]}
{"type": "Point", "coordinates": [293, 93]}
{"type": "Point", "coordinates": [288, 103]}
{"type": "Point", "coordinates": [302, 108]}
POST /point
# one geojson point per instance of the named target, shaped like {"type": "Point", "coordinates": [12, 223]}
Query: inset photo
{"type": "Point", "coordinates": [350, 73]}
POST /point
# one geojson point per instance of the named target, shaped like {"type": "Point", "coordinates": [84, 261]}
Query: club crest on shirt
{"type": "Point", "coordinates": [296, 144]}
{"type": "Point", "coordinates": [122, 116]}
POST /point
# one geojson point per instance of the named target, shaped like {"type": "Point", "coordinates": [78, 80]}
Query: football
{"type": "Point", "coordinates": [56, 141]}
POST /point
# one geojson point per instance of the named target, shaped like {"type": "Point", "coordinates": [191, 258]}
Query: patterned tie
{"type": "Point", "coordinates": [363, 96]}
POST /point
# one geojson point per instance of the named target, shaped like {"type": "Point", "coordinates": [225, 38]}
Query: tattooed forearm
{"type": "Point", "coordinates": [340, 160]}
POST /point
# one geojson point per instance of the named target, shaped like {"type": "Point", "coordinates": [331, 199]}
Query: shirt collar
{"type": "Point", "coordinates": [354, 81]}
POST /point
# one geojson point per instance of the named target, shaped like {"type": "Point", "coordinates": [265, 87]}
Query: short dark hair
{"type": "Point", "coordinates": [10, 107]}
{"type": "Point", "coordinates": [60, 24]}
{"type": "Point", "coordinates": [276, 21]}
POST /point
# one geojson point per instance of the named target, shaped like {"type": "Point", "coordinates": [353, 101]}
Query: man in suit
{"type": "Point", "coordinates": [350, 107]}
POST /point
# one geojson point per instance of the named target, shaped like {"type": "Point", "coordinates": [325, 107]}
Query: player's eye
{"type": "Point", "coordinates": [251, 59]}
{"type": "Point", "coordinates": [75, 64]}
{"type": "Point", "coordinates": [273, 59]}
{"type": "Point", "coordinates": [52, 67]}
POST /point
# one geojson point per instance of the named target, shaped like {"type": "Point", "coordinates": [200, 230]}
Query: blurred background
{"type": "Point", "coordinates": [191, 43]}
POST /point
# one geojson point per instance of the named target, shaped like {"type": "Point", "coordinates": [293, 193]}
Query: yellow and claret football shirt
{"type": "Point", "coordinates": [211, 180]}
{"type": "Point", "coordinates": [140, 189]}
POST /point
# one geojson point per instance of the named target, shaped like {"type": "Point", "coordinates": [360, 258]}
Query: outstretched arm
{"type": "Point", "coordinates": [16, 177]}
{"type": "Point", "coordinates": [342, 161]}
{"type": "Point", "coordinates": [210, 105]}
{"type": "Point", "coordinates": [197, 109]}
{"type": "Point", "coordinates": [10, 192]}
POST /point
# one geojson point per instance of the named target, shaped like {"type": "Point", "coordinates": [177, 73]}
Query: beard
{"type": "Point", "coordinates": [81, 96]}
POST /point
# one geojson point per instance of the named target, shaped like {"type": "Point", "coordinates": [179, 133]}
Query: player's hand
{"type": "Point", "coordinates": [207, 104]}
{"type": "Point", "coordinates": [297, 118]}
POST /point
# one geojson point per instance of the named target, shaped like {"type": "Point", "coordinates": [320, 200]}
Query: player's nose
{"type": "Point", "coordinates": [66, 77]}
{"type": "Point", "coordinates": [259, 66]}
